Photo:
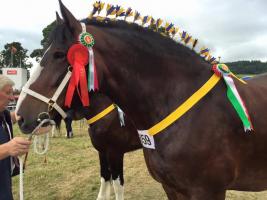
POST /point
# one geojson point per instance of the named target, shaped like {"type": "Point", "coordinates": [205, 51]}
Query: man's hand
{"type": "Point", "coordinates": [18, 146]}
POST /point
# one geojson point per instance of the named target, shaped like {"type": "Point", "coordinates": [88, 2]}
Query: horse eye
{"type": "Point", "coordinates": [59, 55]}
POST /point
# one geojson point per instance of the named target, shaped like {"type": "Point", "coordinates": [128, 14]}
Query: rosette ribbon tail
{"type": "Point", "coordinates": [70, 91]}
{"type": "Point", "coordinates": [92, 75]}
{"type": "Point", "coordinates": [78, 81]}
{"type": "Point", "coordinates": [238, 103]}
{"type": "Point", "coordinates": [233, 95]}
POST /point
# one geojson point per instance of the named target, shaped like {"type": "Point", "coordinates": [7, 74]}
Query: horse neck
{"type": "Point", "coordinates": [97, 103]}
{"type": "Point", "coordinates": [148, 86]}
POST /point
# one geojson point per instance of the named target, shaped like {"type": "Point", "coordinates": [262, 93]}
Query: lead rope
{"type": "Point", "coordinates": [22, 161]}
{"type": "Point", "coordinates": [41, 142]}
{"type": "Point", "coordinates": [21, 196]}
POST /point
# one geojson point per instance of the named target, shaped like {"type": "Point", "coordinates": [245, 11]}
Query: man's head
{"type": "Point", "coordinates": [6, 91]}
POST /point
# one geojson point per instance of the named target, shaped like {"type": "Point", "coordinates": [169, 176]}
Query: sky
{"type": "Point", "coordinates": [232, 29]}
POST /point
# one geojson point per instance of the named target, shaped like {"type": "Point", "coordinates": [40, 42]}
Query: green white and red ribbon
{"type": "Point", "coordinates": [92, 75]}
{"type": "Point", "coordinates": [233, 95]}
{"type": "Point", "coordinates": [88, 41]}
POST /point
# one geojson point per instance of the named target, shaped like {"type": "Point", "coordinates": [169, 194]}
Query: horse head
{"type": "Point", "coordinates": [44, 94]}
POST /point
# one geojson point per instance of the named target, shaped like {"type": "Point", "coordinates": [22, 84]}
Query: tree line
{"type": "Point", "coordinates": [15, 55]}
{"type": "Point", "coordinates": [247, 67]}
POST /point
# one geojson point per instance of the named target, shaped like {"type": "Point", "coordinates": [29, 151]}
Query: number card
{"type": "Point", "coordinates": [146, 139]}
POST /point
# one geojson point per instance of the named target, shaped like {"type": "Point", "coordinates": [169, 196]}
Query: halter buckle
{"type": "Point", "coordinates": [50, 104]}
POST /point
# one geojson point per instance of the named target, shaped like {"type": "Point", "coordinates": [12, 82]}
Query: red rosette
{"type": "Point", "coordinates": [78, 53]}
{"type": "Point", "coordinates": [78, 57]}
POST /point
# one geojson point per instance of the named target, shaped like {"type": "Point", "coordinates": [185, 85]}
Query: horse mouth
{"type": "Point", "coordinates": [37, 127]}
{"type": "Point", "coordinates": [26, 128]}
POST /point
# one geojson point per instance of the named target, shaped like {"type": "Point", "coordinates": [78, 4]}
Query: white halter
{"type": "Point", "coordinates": [51, 101]}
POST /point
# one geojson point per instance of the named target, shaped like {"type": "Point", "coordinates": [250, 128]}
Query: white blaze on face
{"type": "Point", "coordinates": [35, 74]}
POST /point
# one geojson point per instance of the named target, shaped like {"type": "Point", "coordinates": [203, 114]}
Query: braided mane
{"type": "Point", "coordinates": [117, 16]}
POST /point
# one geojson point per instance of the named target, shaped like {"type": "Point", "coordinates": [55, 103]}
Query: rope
{"type": "Point", "coordinates": [36, 142]}
{"type": "Point", "coordinates": [21, 197]}
{"type": "Point", "coordinates": [40, 143]}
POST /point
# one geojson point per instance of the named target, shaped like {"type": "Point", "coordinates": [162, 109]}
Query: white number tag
{"type": "Point", "coordinates": [146, 139]}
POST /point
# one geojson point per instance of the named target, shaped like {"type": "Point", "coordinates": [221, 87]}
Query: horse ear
{"type": "Point", "coordinates": [70, 20]}
{"type": "Point", "coordinates": [58, 20]}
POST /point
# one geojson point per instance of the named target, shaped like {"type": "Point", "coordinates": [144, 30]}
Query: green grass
{"type": "Point", "coordinates": [71, 172]}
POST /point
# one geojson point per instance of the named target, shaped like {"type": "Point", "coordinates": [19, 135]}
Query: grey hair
{"type": "Point", "coordinates": [4, 80]}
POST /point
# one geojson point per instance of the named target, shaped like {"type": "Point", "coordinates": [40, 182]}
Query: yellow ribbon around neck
{"type": "Point", "coordinates": [176, 114]}
{"type": "Point", "coordinates": [182, 109]}
{"type": "Point", "coordinates": [101, 114]}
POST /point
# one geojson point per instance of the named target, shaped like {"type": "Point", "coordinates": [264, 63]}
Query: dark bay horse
{"type": "Point", "coordinates": [201, 155]}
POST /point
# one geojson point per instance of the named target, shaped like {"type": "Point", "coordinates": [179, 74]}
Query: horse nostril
{"type": "Point", "coordinates": [42, 116]}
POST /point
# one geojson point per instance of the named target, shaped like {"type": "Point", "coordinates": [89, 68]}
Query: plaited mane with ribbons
{"type": "Point", "coordinates": [79, 55]}
{"type": "Point", "coordinates": [107, 12]}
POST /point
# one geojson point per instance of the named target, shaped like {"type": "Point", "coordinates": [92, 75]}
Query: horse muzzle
{"type": "Point", "coordinates": [43, 124]}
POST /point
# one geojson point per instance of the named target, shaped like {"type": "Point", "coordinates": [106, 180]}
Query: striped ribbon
{"type": "Point", "coordinates": [233, 95]}
{"type": "Point", "coordinates": [92, 75]}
